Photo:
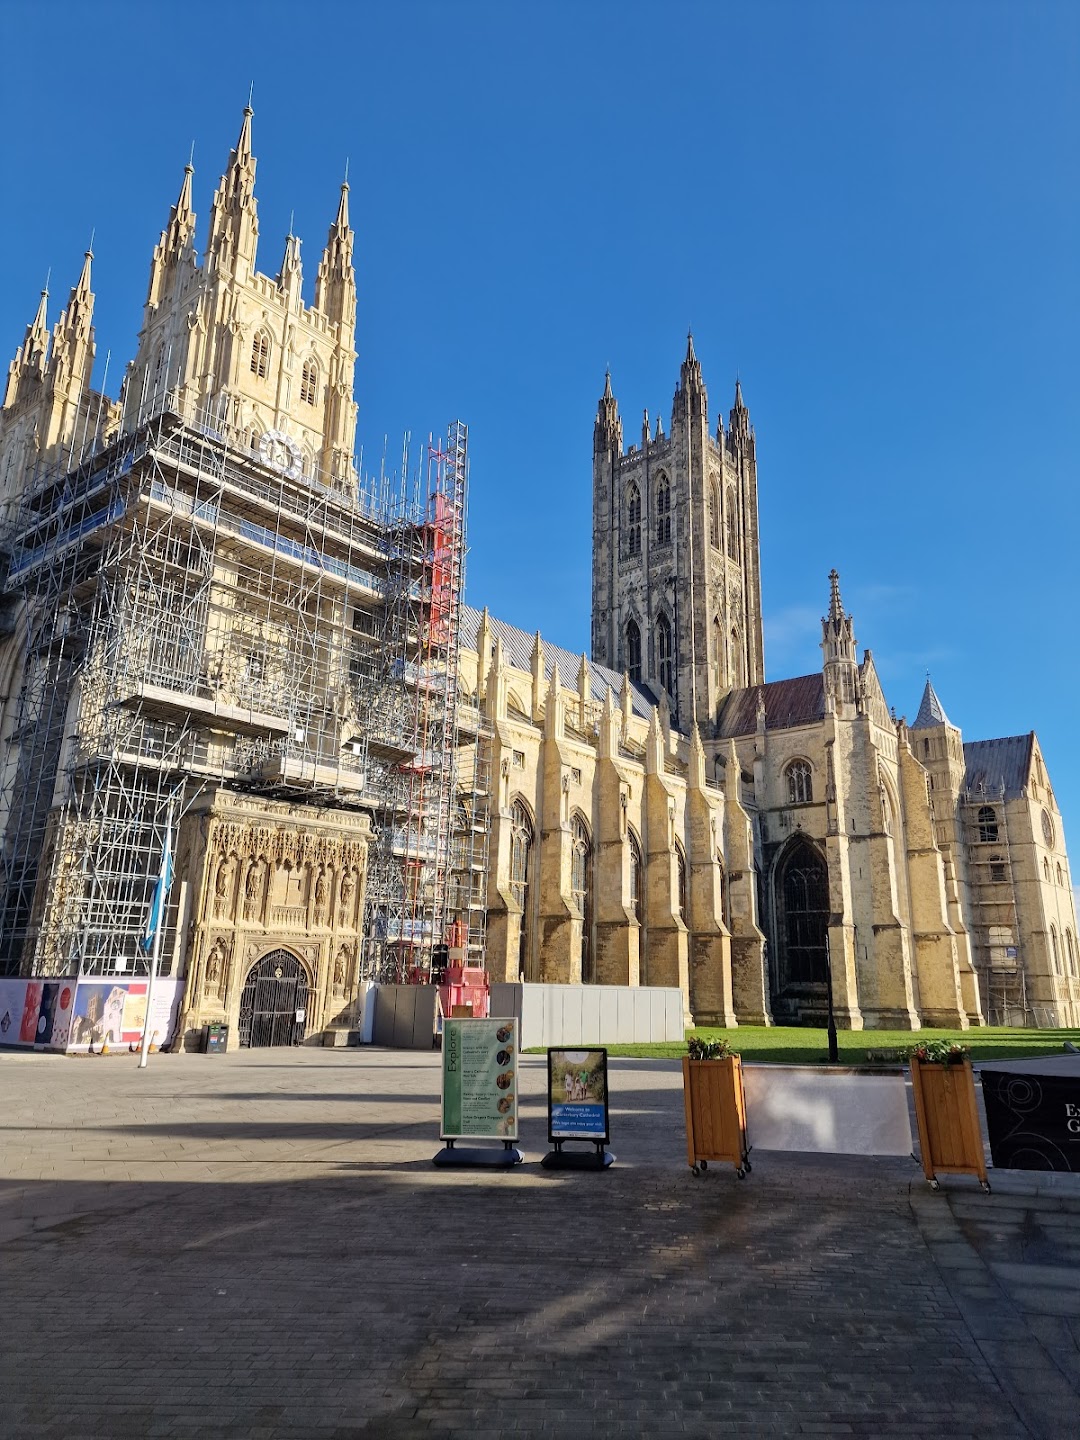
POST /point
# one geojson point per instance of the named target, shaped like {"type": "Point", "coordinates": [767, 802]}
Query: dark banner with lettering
{"type": "Point", "coordinates": [1033, 1120]}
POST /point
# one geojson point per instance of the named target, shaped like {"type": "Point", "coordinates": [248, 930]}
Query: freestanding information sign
{"type": "Point", "coordinates": [479, 1092]}
{"type": "Point", "coordinates": [578, 1109]}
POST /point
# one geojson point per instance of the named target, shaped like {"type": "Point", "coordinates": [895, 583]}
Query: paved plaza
{"type": "Point", "coordinates": [256, 1244]}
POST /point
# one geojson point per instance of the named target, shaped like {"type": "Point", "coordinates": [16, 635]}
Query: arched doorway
{"type": "Point", "coordinates": [802, 895]}
{"type": "Point", "coordinates": [275, 993]}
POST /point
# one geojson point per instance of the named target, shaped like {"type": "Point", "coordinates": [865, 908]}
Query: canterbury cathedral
{"type": "Point", "coordinates": [215, 646]}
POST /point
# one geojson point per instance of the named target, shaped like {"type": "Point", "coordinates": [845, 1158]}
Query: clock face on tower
{"type": "Point", "coordinates": [281, 453]}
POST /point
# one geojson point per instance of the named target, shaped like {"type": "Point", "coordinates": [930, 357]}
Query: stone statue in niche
{"type": "Point", "coordinates": [339, 970]}
{"type": "Point", "coordinates": [320, 898]}
{"type": "Point", "coordinates": [348, 894]}
{"type": "Point", "coordinates": [223, 887]}
{"type": "Point", "coordinates": [215, 962]}
{"type": "Point", "coordinates": [253, 888]}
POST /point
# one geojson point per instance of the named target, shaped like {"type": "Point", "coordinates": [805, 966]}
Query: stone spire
{"type": "Point", "coordinates": [607, 432]}
{"type": "Point", "coordinates": [175, 245]}
{"type": "Point", "coordinates": [335, 285]}
{"type": "Point", "coordinates": [234, 222]}
{"type": "Point", "coordinates": [739, 419]}
{"type": "Point", "coordinates": [931, 710]}
{"type": "Point", "coordinates": [72, 354]}
{"type": "Point", "coordinates": [32, 355]}
{"type": "Point", "coordinates": [838, 649]}
{"type": "Point", "coordinates": [291, 276]}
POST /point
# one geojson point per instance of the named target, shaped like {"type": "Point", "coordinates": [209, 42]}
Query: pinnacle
{"type": "Point", "coordinates": [836, 605]}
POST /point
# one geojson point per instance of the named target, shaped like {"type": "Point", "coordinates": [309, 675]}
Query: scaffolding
{"type": "Point", "coordinates": [195, 613]}
{"type": "Point", "coordinates": [999, 962]}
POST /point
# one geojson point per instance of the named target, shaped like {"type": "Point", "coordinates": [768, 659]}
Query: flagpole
{"type": "Point", "coordinates": [158, 931]}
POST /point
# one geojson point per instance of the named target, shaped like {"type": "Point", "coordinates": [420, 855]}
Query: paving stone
{"type": "Point", "coordinates": [257, 1245]}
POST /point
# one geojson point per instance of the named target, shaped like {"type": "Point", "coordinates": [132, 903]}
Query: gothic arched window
{"type": "Point", "coordinates": [633, 520]}
{"type": "Point", "coordinates": [1046, 870]}
{"type": "Point", "coordinates": [1048, 829]}
{"type": "Point", "coordinates": [737, 676]}
{"type": "Point", "coordinates": [714, 516]}
{"type": "Point", "coordinates": [804, 900]}
{"type": "Point", "coordinates": [732, 526]}
{"type": "Point", "coordinates": [260, 355]}
{"type": "Point", "coordinates": [637, 875]}
{"type": "Point", "coordinates": [1070, 946]}
{"type": "Point", "coordinates": [718, 651]}
{"type": "Point", "coordinates": [680, 890]}
{"type": "Point", "coordinates": [1054, 949]}
{"type": "Point", "coordinates": [800, 783]}
{"type": "Point", "coordinates": [521, 845]}
{"type": "Point", "coordinates": [663, 511]}
{"type": "Point", "coordinates": [725, 908]}
{"type": "Point", "coordinates": [581, 885]}
{"type": "Point", "coordinates": [1059, 876]}
{"type": "Point", "coordinates": [988, 830]}
{"type": "Point", "coordinates": [665, 666]}
{"type": "Point", "coordinates": [309, 383]}
{"type": "Point", "coordinates": [633, 650]}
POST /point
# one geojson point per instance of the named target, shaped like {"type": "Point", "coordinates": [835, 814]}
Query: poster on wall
{"type": "Point", "coordinates": [578, 1095]}
{"type": "Point", "coordinates": [114, 1012]}
{"type": "Point", "coordinates": [1033, 1120]}
{"type": "Point", "coordinates": [20, 1001]}
{"type": "Point", "coordinates": [480, 1080]}
{"type": "Point", "coordinates": [54, 1015]}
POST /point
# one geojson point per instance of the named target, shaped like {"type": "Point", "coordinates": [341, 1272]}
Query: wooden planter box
{"type": "Point", "coordinates": [949, 1135]}
{"type": "Point", "coordinates": [715, 1113]}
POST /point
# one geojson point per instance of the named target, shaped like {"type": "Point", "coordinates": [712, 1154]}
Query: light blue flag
{"type": "Point", "coordinates": [161, 893]}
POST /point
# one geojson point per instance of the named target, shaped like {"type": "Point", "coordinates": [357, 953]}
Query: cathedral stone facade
{"type": "Point", "coordinates": [191, 587]}
{"type": "Point", "coordinates": [668, 816]}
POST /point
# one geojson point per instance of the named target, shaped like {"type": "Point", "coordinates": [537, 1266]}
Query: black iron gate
{"type": "Point", "coordinates": [273, 1007]}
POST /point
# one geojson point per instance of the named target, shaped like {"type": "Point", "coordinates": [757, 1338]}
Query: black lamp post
{"type": "Point", "coordinates": [834, 1052]}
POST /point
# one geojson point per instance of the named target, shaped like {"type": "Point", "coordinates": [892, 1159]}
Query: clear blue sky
{"type": "Point", "coordinates": [870, 210]}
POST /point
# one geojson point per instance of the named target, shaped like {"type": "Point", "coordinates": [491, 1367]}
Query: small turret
{"type": "Point", "coordinates": [335, 285]}
{"type": "Point", "coordinates": [838, 649]}
{"type": "Point", "coordinates": [72, 355]}
{"type": "Point", "coordinates": [176, 244]}
{"type": "Point", "coordinates": [234, 222]}
{"type": "Point", "coordinates": [31, 358]}
{"type": "Point", "coordinates": [290, 277]}
{"type": "Point", "coordinates": [607, 432]}
{"type": "Point", "coordinates": [931, 710]}
{"type": "Point", "coordinates": [690, 394]}
{"type": "Point", "coordinates": [739, 431]}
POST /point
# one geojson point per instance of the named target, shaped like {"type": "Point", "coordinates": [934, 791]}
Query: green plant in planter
{"type": "Point", "coordinates": [939, 1052]}
{"type": "Point", "coordinates": [699, 1049]}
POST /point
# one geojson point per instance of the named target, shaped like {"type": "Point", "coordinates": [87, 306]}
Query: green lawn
{"type": "Point", "coordinates": [791, 1045]}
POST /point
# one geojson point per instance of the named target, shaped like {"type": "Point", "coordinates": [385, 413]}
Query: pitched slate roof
{"type": "Point", "coordinates": [800, 701]}
{"type": "Point", "coordinates": [993, 763]}
{"type": "Point", "coordinates": [931, 711]}
{"type": "Point", "coordinates": [518, 649]}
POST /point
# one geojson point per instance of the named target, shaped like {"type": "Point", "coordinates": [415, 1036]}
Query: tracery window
{"type": "Point", "coordinates": [633, 520]}
{"type": "Point", "coordinates": [988, 828]}
{"type": "Point", "coordinates": [800, 783]}
{"type": "Point", "coordinates": [1048, 829]}
{"type": "Point", "coordinates": [804, 898]}
{"type": "Point", "coordinates": [714, 517]}
{"type": "Point", "coordinates": [521, 844]}
{"type": "Point", "coordinates": [309, 382]}
{"type": "Point", "coordinates": [680, 891]}
{"type": "Point", "coordinates": [633, 650]}
{"type": "Point", "coordinates": [636, 875]}
{"type": "Point", "coordinates": [663, 511]}
{"type": "Point", "coordinates": [732, 526]}
{"type": "Point", "coordinates": [260, 355]}
{"type": "Point", "coordinates": [665, 666]}
{"type": "Point", "coordinates": [581, 887]}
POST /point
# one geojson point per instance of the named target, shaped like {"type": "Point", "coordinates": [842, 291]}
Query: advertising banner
{"type": "Point", "coordinates": [578, 1095]}
{"type": "Point", "coordinates": [54, 1015]}
{"type": "Point", "coordinates": [115, 1011]}
{"type": "Point", "coordinates": [20, 1001]}
{"type": "Point", "coordinates": [1033, 1120]}
{"type": "Point", "coordinates": [480, 1080]}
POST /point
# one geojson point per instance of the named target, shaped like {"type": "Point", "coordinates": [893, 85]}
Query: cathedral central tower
{"type": "Point", "coordinates": [676, 595]}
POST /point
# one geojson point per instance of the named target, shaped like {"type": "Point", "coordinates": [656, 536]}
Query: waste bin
{"type": "Point", "coordinates": [215, 1039]}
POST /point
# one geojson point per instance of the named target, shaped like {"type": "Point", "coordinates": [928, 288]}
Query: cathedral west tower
{"type": "Point", "coordinates": [676, 596]}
